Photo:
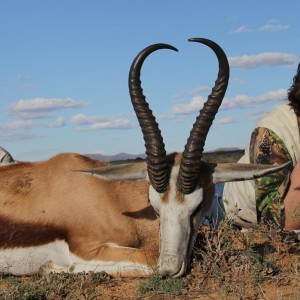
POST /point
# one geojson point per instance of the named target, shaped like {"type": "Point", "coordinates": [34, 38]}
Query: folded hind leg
{"type": "Point", "coordinates": [118, 261]}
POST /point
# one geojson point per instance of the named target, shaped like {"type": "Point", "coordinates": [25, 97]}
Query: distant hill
{"type": "Point", "coordinates": [117, 157]}
{"type": "Point", "coordinates": [217, 154]}
{"type": "Point", "coordinates": [225, 149]}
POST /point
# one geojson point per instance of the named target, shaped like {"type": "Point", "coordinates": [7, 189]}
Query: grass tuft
{"type": "Point", "coordinates": [53, 286]}
{"type": "Point", "coordinates": [241, 262]}
{"type": "Point", "coordinates": [169, 286]}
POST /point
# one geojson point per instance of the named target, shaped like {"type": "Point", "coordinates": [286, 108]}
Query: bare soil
{"type": "Point", "coordinates": [259, 264]}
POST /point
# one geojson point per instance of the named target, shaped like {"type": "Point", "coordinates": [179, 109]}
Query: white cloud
{"type": "Point", "coordinates": [83, 119]}
{"type": "Point", "coordinates": [237, 102]}
{"type": "Point", "coordinates": [59, 122]}
{"type": "Point", "coordinates": [226, 120]}
{"type": "Point", "coordinates": [266, 58]}
{"type": "Point", "coordinates": [24, 81]}
{"type": "Point", "coordinates": [24, 77]}
{"type": "Point", "coordinates": [22, 129]}
{"type": "Point", "coordinates": [27, 124]}
{"type": "Point", "coordinates": [242, 29]}
{"type": "Point", "coordinates": [273, 25]}
{"type": "Point", "coordinates": [192, 92]}
{"type": "Point", "coordinates": [18, 135]}
{"type": "Point", "coordinates": [198, 90]}
{"type": "Point", "coordinates": [17, 125]}
{"type": "Point", "coordinates": [112, 124]}
{"type": "Point", "coordinates": [244, 101]}
{"type": "Point", "coordinates": [42, 107]}
{"type": "Point", "coordinates": [30, 115]}
{"type": "Point", "coordinates": [188, 108]}
{"type": "Point", "coordinates": [100, 123]}
{"type": "Point", "coordinates": [272, 96]}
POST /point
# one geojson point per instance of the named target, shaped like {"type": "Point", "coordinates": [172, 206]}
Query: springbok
{"type": "Point", "coordinates": [74, 214]}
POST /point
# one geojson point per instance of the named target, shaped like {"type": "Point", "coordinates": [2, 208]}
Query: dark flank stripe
{"type": "Point", "coordinates": [21, 234]}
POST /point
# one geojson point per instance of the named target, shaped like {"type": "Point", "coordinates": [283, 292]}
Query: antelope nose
{"type": "Point", "coordinates": [167, 272]}
{"type": "Point", "coordinates": [170, 266]}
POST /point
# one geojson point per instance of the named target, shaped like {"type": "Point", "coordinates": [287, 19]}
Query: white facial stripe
{"type": "Point", "coordinates": [175, 225]}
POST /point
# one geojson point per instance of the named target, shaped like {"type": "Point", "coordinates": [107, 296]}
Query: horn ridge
{"type": "Point", "coordinates": [155, 148]}
{"type": "Point", "coordinates": [191, 158]}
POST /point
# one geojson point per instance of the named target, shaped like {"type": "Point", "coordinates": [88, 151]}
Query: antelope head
{"type": "Point", "coordinates": [176, 190]}
{"type": "Point", "coordinates": [181, 186]}
{"type": "Point", "coordinates": [182, 191]}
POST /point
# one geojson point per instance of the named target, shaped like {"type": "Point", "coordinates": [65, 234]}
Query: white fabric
{"type": "Point", "coordinates": [239, 197]}
{"type": "Point", "coordinates": [5, 157]}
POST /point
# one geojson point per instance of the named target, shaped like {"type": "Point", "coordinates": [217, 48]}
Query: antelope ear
{"type": "Point", "coordinates": [131, 171]}
{"type": "Point", "coordinates": [240, 172]}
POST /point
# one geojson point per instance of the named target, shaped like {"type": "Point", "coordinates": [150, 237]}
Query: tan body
{"type": "Point", "coordinates": [55, 216]}
{"type": "Point", "coordinates": [46, 201]}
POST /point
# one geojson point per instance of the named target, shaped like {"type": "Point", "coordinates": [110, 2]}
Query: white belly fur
{"type": "Point", "coordinates": [56, 257]}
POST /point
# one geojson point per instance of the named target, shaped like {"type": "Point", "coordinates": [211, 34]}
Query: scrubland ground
{"type": "Point", "coordinates": [228, 264]}
{"type": "Point", "coordinates": [263, 263]}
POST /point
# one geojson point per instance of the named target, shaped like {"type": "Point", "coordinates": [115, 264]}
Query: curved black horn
{"type": "Point", "coordinates": [155, 148]}
{"type": "Point", "coordinates": [191, 158]}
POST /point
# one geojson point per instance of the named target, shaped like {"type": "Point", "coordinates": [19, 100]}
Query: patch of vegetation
{"type": "Point", "coordinates": [262, 263]}
{"type": "Point", "coordinates": [240, 263]}
{"type": "Point", "coordinates": [53, 286]}
{"type": "Point", "coordinates": [169, 286]}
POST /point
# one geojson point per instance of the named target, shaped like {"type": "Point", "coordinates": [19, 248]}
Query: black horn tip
{"type": "Point", "coordinates": [217, 49]}
{"type": "Point", "coordinates": [140, 58]}
{"type": "Point", "coordinates": [207, 42]}
{"type": "Point", "coordinates": [167, 46]}
{"type": "Point", "coordinates": [159, 46]}
{"type": "Point", "coordinates": [154, 47]}
{"type": "Point", "coordinates": [196, 39]}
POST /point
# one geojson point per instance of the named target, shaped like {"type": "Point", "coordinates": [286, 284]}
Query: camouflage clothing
{"type": "Point", "coordinates": [267, 148]}
{"type": "Point", "coordinates": [276, 139]}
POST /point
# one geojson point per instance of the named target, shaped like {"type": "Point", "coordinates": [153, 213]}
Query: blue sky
{"type": "Point", "coordinates": [64, 70]}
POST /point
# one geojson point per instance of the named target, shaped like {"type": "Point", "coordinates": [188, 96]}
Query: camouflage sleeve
{"type": "Point", "coordinates": [267, 148]}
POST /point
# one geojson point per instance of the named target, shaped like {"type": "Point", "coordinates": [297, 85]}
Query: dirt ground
{"type": "Point", "coordinates": [241, 289]}
{"type": "Point", "coordinates": [227, 264]}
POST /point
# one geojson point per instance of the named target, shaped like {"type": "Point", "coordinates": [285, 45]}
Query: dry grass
{"type": "Point", "coordinates": [262, 263]}
{"type": "Point", "coordinates": [228, 264]}
{"type": "Point", "coordinates": [259, 264]}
